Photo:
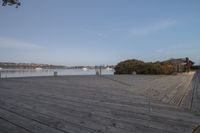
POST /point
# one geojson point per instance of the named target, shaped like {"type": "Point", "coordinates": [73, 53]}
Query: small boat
{"type": "Point", "coordinates": [109, 69]}
{"type": "Point", "coordinates": [84, 69]}
{"type": "Point", "coordinates": [1, 68]}
{"type": "Point", "coordinates": [38, 68]}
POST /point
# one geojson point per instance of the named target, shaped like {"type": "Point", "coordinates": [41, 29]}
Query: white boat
{"type": "Point", "coordinates": [84, 69]}
{"type": "Point", "coordinates": [109, 69]}
{"type": "Point", "coordinates": [38, 68]}
{"type": "Point", "coordinates": [1, 68]}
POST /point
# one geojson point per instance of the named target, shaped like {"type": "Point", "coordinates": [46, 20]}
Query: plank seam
{"type": "Point", "coordinates": [17, 125]}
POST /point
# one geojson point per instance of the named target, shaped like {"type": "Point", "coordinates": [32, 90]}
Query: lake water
{"type": "Point", "coordinates": [7, 73]}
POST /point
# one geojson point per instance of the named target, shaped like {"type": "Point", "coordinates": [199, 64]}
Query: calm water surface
{"type": "Point", "coordinates": [6, 73]}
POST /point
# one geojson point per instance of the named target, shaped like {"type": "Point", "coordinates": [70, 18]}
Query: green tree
{"type": "Point", "coordinates": [128, 66]}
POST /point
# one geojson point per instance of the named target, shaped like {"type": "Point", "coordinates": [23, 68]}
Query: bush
{"type": "Point", "coordinates": [129, 66]}
{"type": "Point", "coordinates": [149, 68]}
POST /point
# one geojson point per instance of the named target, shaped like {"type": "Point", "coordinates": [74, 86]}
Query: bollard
{"type": "Point", "coordinates": [55, 74]}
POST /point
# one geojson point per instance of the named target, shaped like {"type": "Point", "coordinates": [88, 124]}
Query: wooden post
{"type": "Point", "coordinates": [97, 72]}
{"type": "Point", "coordinates": [100, 70]}
{"type": "Point", "coordinates": [55, 74]}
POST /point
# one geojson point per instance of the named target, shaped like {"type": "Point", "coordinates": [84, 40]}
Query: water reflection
{"type": "Point", "coordinates": [6, 73]}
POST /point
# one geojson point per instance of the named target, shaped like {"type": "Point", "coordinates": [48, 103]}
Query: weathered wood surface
{"type": "Point", "coordinates": [195, 106]}
{"type": "Point", "coordinates": [100, 104]}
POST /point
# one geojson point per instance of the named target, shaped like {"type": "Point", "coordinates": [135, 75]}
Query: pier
{"type": "Point", "coordinates": [100, 104]}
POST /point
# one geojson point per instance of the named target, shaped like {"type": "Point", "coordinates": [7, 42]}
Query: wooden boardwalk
{"type": "Point", "coordinates": [100, 104]}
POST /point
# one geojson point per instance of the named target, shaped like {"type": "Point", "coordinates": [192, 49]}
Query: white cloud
{"type": "Point", "coordinates": [152, 28]}
{"type": "Point", "coordinates": [16, 44]}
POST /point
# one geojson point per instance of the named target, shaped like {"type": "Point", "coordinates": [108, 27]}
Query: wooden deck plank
{"type": "Point", "coordinates": [28, 124]}
{"type": "Point", "coordinates": [98, 104]}
{"type": "Point", "coordinates": [85, 103]}
{"type": "Point", "coordinates": [134, 115]}
{"type": "Point", "coordinates": [91, 117]}
{"type": "Point", "coordinates": [8, 127]}
{"type": "Point", "coordinates": [195, 107]}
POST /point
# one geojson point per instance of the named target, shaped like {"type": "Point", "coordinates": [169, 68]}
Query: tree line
{"type": "Point", "coordinates": [167, 67]}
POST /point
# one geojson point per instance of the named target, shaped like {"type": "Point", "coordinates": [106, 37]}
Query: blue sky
{"type": "Point", "coordinates": [95, 32]}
